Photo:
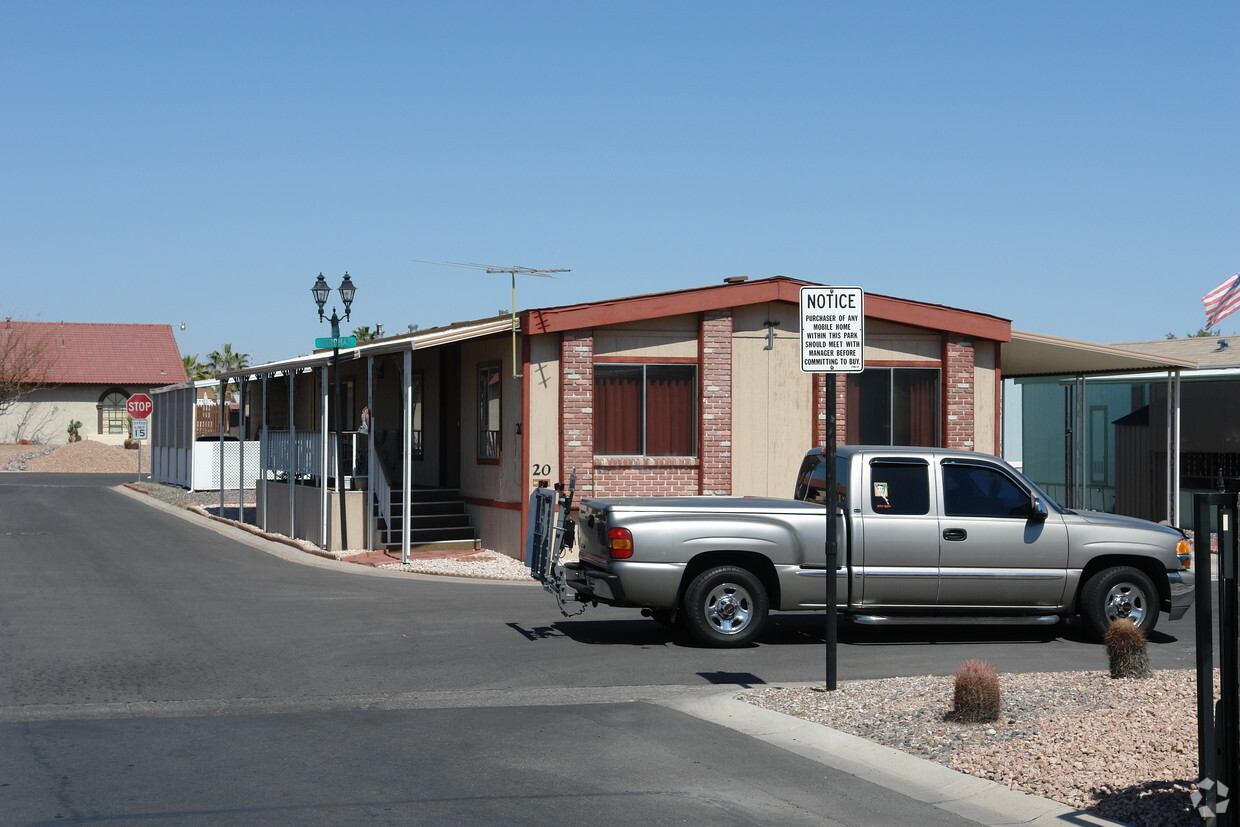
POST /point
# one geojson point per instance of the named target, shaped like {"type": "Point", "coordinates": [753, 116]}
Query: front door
{"type": "Point", "coordinates": [992, 553]}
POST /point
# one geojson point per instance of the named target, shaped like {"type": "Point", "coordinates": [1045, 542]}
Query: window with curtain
{"type": "Point", "coordinates": [645, 410]}
{"type": "Point", "coordinates": [893, 406]}
{"type": "Point", "coordinates": [489, 385]}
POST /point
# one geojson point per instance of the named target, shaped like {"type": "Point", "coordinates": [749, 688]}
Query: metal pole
{"type": "Point", "coordinates": [832, 549]}
{"type": "Point", "coordinates": [406, 459]}
{"type": "Point", "coordinates": [340, 485]}
{"type": "Point", "coordinates": [368, 508]}
{"type": "Point", "coordinates": [1173, 457]}
{"type": "Point", "coordinates": [263, 443]}
{"type": "Point", "coordinates": [291, 374]}
{"type": "Point", "coordinates": [241, 382]}
{"type": "Point", "coordinates": [325, 452]}
{"type": "Point", "coordinates": [219, 409]}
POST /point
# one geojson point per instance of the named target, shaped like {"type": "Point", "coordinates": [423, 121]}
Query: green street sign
{"type": "Point", "coordinates": [336, 341]}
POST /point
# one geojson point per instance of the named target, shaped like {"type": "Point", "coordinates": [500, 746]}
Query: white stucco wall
{"type": "Point", "coordinates": [44, 417]}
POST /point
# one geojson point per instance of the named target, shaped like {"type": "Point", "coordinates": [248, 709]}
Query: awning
{"type": "Point", "coordinates": [1033, 354]}
{"type": "Point", "coordinates": [397, 344]}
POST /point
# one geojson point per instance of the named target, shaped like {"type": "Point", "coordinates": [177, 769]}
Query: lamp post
{"type": "Point", "coordinates": [321, 293]}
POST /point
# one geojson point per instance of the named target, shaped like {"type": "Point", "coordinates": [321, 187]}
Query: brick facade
{"type": "Point", "coordinates": [710, 472]}
{"type": "Point", "coordinates": [820, 408]}
{"type": "Point", "coordinates": [576, 408]}
{"type": "Point", "coordinates": [715, 438]}
{"type": "Point", "coordinates": [958, 364]}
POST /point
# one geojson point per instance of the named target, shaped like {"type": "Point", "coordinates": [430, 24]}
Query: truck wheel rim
{"type": "Point", "coordinates": [728, 608]}
{"type": "Point", "coordinates": [1126, 600]}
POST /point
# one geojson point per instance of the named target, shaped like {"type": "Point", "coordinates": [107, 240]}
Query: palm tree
{"type": "Point", "coordinates": [227, 359]}
{"type": "Point", "coordinates": [364, 334]}
{"type": "Point", "coordinates": [196, 369]}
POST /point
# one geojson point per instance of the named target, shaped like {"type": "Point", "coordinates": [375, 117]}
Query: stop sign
{"type": "Point", "coordinates": [139, 406]}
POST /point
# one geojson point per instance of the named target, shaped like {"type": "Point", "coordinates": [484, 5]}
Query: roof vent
{"type": "Point", "coordinates": [735, 279]}
{"type": "Point", "coordinates": [1223, 344]}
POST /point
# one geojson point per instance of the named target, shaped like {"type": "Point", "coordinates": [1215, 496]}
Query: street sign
{"type": "Point", "coordinates": [832, 329]}
{"type": "Point", "coordinates": [140, 429]}
{"type": "Point", "coordinates": [336, 341]}
{"type": "Point", "coordinates": [139, 406]}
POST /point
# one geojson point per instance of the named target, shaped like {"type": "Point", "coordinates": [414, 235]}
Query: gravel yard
{"type": "Point", "coordinates": [87, 456]}
{"type": "Point", "coordinates": [1124, 749]}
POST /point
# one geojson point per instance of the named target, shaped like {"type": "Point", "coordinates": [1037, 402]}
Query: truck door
{"type": "Point", "coordinates": [992, 553]}
{"type": "Point", "coordinates": [900, 534]}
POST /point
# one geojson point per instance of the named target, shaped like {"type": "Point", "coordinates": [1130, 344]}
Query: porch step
{"type": "Point", "coordinates": [436, 516]}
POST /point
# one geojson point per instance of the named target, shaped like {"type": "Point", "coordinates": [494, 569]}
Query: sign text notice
{"type": "Point", "coordinates": [832, 330]}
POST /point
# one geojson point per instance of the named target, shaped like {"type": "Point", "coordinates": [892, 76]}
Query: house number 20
{"type": "Point", "coordinates": [542, 470]}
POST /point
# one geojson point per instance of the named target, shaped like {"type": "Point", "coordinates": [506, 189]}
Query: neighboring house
{"type": "Point", "coordinates": [1141, 439]}
{"type": "Point", "coordinates": [88, 372]}
{"type": "Point", "coordinates": [686, 392]}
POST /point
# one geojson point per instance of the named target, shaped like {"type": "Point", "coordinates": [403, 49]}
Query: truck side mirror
{"type": "Point", "coordinates": [1038, 513]}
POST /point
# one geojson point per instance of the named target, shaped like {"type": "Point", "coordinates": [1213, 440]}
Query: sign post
{"type": "Point", "coordinates": [139, 407]}
{"type": "Point", "coordinates": [832, 341]}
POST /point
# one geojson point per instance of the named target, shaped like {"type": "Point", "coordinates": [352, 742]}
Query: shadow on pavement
{"type": "Point", "coordinates": [810, 630]}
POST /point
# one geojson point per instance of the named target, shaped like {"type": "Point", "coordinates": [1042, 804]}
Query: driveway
{"type": "Point", "coordinates": [159, 668]}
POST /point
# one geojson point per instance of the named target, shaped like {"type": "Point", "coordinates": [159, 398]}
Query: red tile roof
{"type": "Point", "coordinates": [85, 353]}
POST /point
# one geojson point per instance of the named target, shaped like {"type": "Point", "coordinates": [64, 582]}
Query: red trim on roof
{"type": "Point", "coordinates": [776, 288]}
{"type": "Point", "coordinates": [87, 353]}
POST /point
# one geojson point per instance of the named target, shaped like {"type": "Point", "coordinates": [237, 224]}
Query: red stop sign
{"type": "Point", "coordinates": [139, 406]}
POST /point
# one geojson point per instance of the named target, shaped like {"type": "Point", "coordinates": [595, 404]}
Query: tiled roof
{"type": "Point", "coordinates": [85, 353]}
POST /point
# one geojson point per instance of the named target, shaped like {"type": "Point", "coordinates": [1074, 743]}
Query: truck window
{"type": "Point", "coordinates": [899, 487]}
{"type": "Point", "coordinates": [812, 479]}
{"type": "Point", "coordinates": [979, 491]}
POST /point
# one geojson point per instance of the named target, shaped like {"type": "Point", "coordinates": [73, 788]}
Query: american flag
{"type": "Point", "coordinates": [1222, 301]}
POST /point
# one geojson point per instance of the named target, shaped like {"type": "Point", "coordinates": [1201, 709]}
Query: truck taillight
{"type": "Point", "coordinates": [619, 543]}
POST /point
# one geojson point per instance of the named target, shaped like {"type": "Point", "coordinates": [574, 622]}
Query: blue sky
{"type": "Point", "coordinates": [1071, 166]}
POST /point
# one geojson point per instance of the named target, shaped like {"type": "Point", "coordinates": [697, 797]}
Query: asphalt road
{"type": "Point", "coordinates": [164, 670]}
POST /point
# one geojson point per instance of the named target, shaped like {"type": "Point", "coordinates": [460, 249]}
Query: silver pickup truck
{"type": "Point", "coordinates": [924, 535]}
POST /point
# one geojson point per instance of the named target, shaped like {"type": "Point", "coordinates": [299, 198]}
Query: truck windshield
{"type": "Point", "coordinates": [812, 479]}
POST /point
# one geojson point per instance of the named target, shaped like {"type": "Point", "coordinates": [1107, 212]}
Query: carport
{"type": "Point", "coordinates": [1031, 355]}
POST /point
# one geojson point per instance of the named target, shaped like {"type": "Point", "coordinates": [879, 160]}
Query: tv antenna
{"type": "Point", "coordinates": [513, 272]}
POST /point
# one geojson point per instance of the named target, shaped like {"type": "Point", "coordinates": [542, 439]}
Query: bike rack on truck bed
{"type": "Point", "coordinates": [550, 534]}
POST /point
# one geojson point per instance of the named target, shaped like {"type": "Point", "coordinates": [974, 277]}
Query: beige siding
{"type": "Point", "coordinates": [888, 342]}
{"type": "Point", "coordinates": [544, 425]}
{"type": "Point", "coordinates": [984, 400]}
{"type": "Point", "coordinates": [772, 406]}
{"type": "Point", "coordinates": [670, 337]}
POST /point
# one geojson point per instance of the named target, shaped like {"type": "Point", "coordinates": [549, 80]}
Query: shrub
{"type": "Point", "coordinates": [1126, 650]}
{"type": "Point", "coordinates": [977, 694]}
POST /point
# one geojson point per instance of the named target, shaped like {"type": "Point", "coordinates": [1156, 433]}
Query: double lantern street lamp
{"type": "Point", "coordinates": [322, 293]}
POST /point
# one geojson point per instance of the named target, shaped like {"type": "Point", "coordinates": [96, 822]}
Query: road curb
{"type": "Point", "coordinates": [927, 781]}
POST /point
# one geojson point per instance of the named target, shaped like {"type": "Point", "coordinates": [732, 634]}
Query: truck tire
{"type": "Point", "coordinates": [1120, 591]}
{"type": "Point", "coordinates": [725, 607]}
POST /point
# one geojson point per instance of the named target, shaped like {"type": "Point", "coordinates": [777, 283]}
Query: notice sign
{"type": "Point", "coordinates": [832, 330]}
{"type": "Point", "coordinates": [140, 429]}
